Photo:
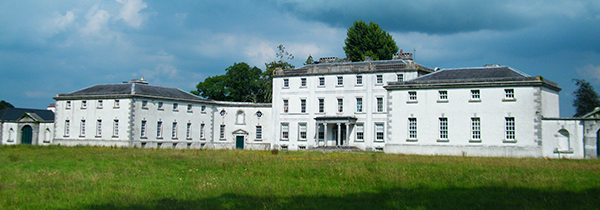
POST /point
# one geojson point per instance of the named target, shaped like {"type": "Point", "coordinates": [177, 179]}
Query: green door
{"type": "Point", "coordinates": [26, 134]}
{"type": "Point", "coordinates": [239, 142]}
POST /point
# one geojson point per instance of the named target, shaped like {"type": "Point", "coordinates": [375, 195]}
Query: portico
{"type": "Point", "coordinates": [334, 131]}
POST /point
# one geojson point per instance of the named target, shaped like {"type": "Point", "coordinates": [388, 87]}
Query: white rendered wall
{"type": "Point", "coordinates": [241, 119]}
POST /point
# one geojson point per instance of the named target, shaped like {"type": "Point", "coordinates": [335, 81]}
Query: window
{"type": "Point", "coordinates": [379, 132]}
{"type": "Point", "coordinates": [286, 83]}
{"type": "Point", "coordinates": [159, 129]}
{"type": "Point", "coordinates": [82, 128]}
{"type": "Point", "coordinates": [68, 106]}
{"type": "Point", "coordinates": [321, 81]}
{"type": "Point", "coordinates": [475, 96]}
{"type": "Point", "coordinates": [379, 104]}
{"type": "Point", "coordinates": [11, 135]}
{"type": "Point", "coordinates": [443, 128]}
{"type": "Point", "coordinates": [340, 80]}
{"type": "Point", "coordinates": [83, 104]}
{"type": "Point", "coordinates": [412, 128]}
{"type": "Point", "coordinates": [321, 105]}
{"type": "Point", "coordinates": [340, 104]}
{"type": "Point", "coordinates": [144, 104]}
{"type": "Point", "coordinates": [115, 128]}
{"type": "Point", "coordinates": [509, 94]}
{"type": "Point", "coordinates": [98, 127]}
{"type": "Point", "coordinates": [189, 108]}
{"type": "Point", "coordinates": [67, 127]}
{"type": "Point", "coordinates": [258, 132]}
{"type": "Point", "coordinates": [359, 105]}
{"type": "Point", "coordinates": [285, 131]}
{"type": "Point", "coordinates": [174, 130]}
{"type": "Point", "coordinates": [412, 95]}
{"type": "Point", "coordinates": [203, 108]}
{"type": "Point", "coordinates": [240, 118]}
{"type": "Point", "coordinates": [510, 128]}
{"type": "Point", "coordinates": [359, 80]}
{"type": "Point", "coordinates": [379, 79]}
{"type": "Point", "coordinates": [302, 82]}
{"type": "Point", "coordinates": [400, 77]}
{"type": "Point", "coordinates": [302, 130]}
{"type": "Point", "coordinates": [222, 132]}
{"type": "Point", "coordinates": [360, 132]}
{"type": "Point", "coordinates": [285, 106]}
{"type": "Point", "coordinates": [160, 105]}
{"type": "Point", "coordinates": [117, 104]}
{"type": "Point", "coordinates": [188, 131]}
{"type": "Point", "coordinates": [175, 106]}
{"type": "Point", "coordinates": [143, 129]}
{"type": "Point", "coordinates": [303, 105]}
{"type": "Point", "coordinates": [321, 133]}
{"type": "Point", "coordinates": [100, 104]}
{"type": "Point", "coordinates": [302, 147]}
{"type": "Point", "coordinates": [202, 131]}
{"type": "Point", "coordinates": [443, 95]}
{"type": "Point", "coordinates": [475, 128]}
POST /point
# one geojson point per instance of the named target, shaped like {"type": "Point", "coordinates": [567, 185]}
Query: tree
{"type": "Point", "coordinates": [586, 98]}
{"type": "Point", "coordinates": [309, 60]}
{"type": "Point", "coordinates": [369, 40]}
{"type": "Point", "coordinates": [240, 83]}
{"type": "Point", "coordinates": [4, 105]}
{"type": "Point", "coordinates": [267, 77]}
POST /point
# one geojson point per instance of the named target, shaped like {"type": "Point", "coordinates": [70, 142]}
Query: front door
{"type": "Point", "coordinates": [26, 134]}
{"type": "Point", "coordinates": [239, 142]}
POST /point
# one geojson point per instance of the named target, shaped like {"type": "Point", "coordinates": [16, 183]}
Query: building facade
{"type": "Point", "coordinates": [26, 126]}
{"type": "Point", "coordinates": [395, 106]}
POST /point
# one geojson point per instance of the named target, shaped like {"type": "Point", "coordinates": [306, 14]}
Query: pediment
{"type": "Point", "coordinates": [240, 132]}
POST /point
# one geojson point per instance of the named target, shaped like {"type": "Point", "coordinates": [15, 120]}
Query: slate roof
{"type": "Point", "coordinates": [13, 114]}
{"type": "Point", "coordinates": [354, 67]}
{"type": "Point", "coordinates": [130, 90]}
{"type": "Point", "coordinates": [466, 77]}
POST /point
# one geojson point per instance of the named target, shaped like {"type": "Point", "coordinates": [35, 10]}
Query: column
{"type": "Point", "coordinates": [339, 135]}
{"type": "Point", "coordinates": [325, 134]}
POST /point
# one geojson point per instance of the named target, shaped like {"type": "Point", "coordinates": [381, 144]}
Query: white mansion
{"type": "Point", "coordinates": [395, 106]}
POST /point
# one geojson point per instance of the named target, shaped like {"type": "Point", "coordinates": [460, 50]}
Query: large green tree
{"type": "Point", "coordinates": [240, 83]}
{"type": "Point", "coordinates": [4, 104]}
{"type": "Point", "coordinates": [586, 99]}
{"type": "Point", "coordinates": [369, 40]}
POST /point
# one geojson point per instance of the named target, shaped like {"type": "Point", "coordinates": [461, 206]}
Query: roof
{"type": "Point", "coordinates": [354, 67]}
{"type": "Point", "coordinates": [130, 90]}
{"type": "Point", "coordinates": [13, 114]}
{"type": "Point", "coordinates": [470, 77]}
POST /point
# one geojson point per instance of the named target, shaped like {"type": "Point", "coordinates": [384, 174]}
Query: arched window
{"type": "Point", "coordinates": [564, 140]}
{"type": "Point", "coordinates": [240, 118]}
{"type": "Point", "coordinates": [47, 135]}
{"type": "Point", "coordinates": [11, 135]}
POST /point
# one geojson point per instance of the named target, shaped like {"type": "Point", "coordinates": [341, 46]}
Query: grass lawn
{"type": "Point", "coordinates": [53, 177]}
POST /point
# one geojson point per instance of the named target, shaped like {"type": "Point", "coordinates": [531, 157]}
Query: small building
{"type": "Point", "coordinates": [26, 126]}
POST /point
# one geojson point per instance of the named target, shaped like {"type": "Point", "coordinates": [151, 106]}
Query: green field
{"type": "Point", "coordinates": [56, 177]}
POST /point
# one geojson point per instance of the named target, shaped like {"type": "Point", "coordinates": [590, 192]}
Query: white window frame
{"type": "Point", "coordinates": [222, 132]}
{"type": "Point", "coordinates": [117, 103]}
{"type": "Point", "coordinates": [188, 132]}
{"type": "Point", "coordinates": [144, 104]}
{"type": "Point", "coordinates": [115, 128]}
{"type": "Point", "coordinates": [302, 131]}
{"type": "Point", "coordinates": [174, 130]}
{"type": "Point", "coordinates": [202, 134]}
{"type": "Point", "coordinates": [143, 129]}
{"type": "Point", "coordinates": [412, 96]}
{"type": "Point", "coordinates": [412, 128]}
{"type": "Point", "coordinates": [286, 83]}
{"type": "Point", "coordinates": [83, 104]}
{"type": "Point", "coordinates": [476, 129]}
{"type": "Point", "coordinates": [259, 132]}
{"type": "Point", "coordinates": [82, 128]}
{"type": "Point", "coordinates": [67, 127]}
{"type": "Point", "coordinates": [379, 79]}
{"type": "Point", "coordinates": [303, 82]}
{"type": "Point", "coordinates": [321, 105]}
{"type": "Point", "coordinates": [359, 79]}
{"type": "Point", "coordinates": [443, 129]}
{"type": "Point", "coordinates": [509, 94]}
{"type": "Point", "coordinates": [360, 132]}
{"type": "Point", "coordinates": [175, 107]}
{"type": "Point", "coordinates": [160, 105]}
{"type": "Point", "coordinates": [190, 107]}
{"type": "Point", "coordinates": [159, 130]}
{"type": "Point", "coordinates": [286, 106]}
{"type": "Point", "coordinates": [476, 95]}
{"type": "Point", "coordinates": [510, 128]}
{"type": "Point", "coordinates": [302, 105]}
{"type": "Point", "coordinates": [379, 132]}
{"type": "Point", "coordinates": [321, 81]}
{"type": "Point", "coordinates": [340, 80]}
{"type": "Point", "coordinates": [285, 131]}
{"type": "Point", "coordinates": [68, 105]}
{"type": "Point", "coordinates": [443, 95]}
{"type": "Point", "coordinates": [359, 105]}
{"type": "Point", "coordinates": [340, 103]}
{"type": "Point", "coordinates": [100, 104]}
{"type": "Point", "coordinates": [380, 107]}
{"type": "Point", "coordinates": [400, 77]}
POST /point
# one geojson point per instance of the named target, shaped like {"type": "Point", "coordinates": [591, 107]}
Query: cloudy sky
{"type": "Point", "coordinates": [59, 46]}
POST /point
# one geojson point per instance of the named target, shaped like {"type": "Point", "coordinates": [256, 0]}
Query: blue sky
{"type": "Point", "coordinates": [52, 47]}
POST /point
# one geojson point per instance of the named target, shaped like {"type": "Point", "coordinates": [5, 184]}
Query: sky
{"type": "Point", "coordinates": [60, 46]}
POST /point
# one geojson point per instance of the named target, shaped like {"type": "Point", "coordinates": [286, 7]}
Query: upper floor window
{"type": "Point", "coordinates": [340, 80]}
{"type": "Point", "coordinates": [321, 81]}
{"type": "Point", "coordinates": [379, 132]}
{"type": "Point", "coordinates": [175, 106]}
{"type": "Point", "coordinates": [302, 82]}
{"type": "Point", "coordinates": [285, 106]}
{"type": "Point", "coordinates": [443, 95]}
{"type": "Point", "coordinates": [285, 131]}
{"type": "Point", "coordinates": [68, 106]}
{"type": "Point", "coordinates": [509, 94]}
{"type": "Point", "coordinates": [100, 104]}
{"type": "Point", "coordinates": [379, 104]}
{"type": "Point", "coordinates": [359, 105]}
{"type": "Point", "coordinates": [83, 104]}
{"type": "Point", "coordinates": [400, 77]}
{"type": "Point", "coordinates": [475, 95]}
{"type": "Point", "coordinates": [379, 79]}
{"type": "Point", "coordinates": [359, 80]}
{"type": "Point", "coordinates": [340, 104]}
{"type": "Point", "coordinates": [189, 108]}
{"type": "Point", "coordinates": [117, 103]}
{"type": "Point", "coordinates": [302, 105]}
{"type": "Point", "coordinates": [321, 105]}
{"type": "Point", "coordinates": [286, 83]}
{"type": "Point", "coordinates": [412, 95]}
{"type": "Point", "coordinates": [160, 105]}
{"type": "Point", "coordinates": [144, 104]}
{"type": "Point", "coordinates": [302, 131]}
{"type": "Point", "coordinates": [203, 108]}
